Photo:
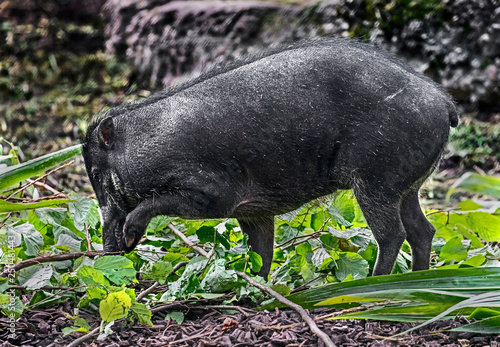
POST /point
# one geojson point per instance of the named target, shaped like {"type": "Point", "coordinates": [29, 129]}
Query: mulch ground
{"type": "Point", "coordinates": [208, 327]}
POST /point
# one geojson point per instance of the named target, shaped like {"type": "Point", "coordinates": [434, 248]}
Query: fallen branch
{"type": "Point", "coordinates": [302, 312]}
{"type": "Point", "coordinates": [47, 259]}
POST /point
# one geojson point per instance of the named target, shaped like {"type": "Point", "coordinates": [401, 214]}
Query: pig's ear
{"type": "Point", "coordinates": [106, 133]}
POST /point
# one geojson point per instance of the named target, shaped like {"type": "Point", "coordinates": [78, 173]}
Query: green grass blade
{"type": "Point", "coordinates": [12, 175]}
{"type": "Point", "coordinates": [473, 182]}
{"type": "Point", "coordinates": [486, 326]}
{"type": "Point", "coordinates": [490, 299]}
{"type": "Point", "coordinates": [465, 281]}
{"type": "Point", "coordinates": [7, 207]}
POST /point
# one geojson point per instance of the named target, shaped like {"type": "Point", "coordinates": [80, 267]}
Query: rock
{"type": "Point", "coordinates": [457, 42]}
{"type": "Point", "coordinates": [167, 41]}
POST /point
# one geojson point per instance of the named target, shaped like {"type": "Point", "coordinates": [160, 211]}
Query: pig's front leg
{"type": "Point", "coordinates": [193, 205]}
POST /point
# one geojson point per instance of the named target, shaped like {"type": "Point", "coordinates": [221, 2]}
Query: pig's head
{"type": "Point", "coordinates": [105, 161]}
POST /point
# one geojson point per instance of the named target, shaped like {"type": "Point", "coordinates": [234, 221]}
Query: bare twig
{"type": "Point", "coordinates": [49, 258]}
{"type": "Point", "coordinates": [45, 186]}
{"type": "Point", "coordinates": [146, 292]}
{"type": "Point", "coordinates": [302, 312]}
{"type": "Point", "coordinates": [312, 325]}
{"type": "Point", "coordinates": [40, 178]}
{"type": "Point", "coordinates": [84, 338]}
{"type": "Point", "coordinates": [5, 220]}
{"type": "Point", "coordinates": [187, 241]}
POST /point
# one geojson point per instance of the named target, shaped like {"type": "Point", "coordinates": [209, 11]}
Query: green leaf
{"type": "Point", "coordinates": [319, 256]}
{"type": "Point", "coordinates": [96, 293]}
{"type": "Point", "coordinates": [32, 238]}
{"type": "Point", "coordinates": [453, 251]}
{"type": "Point", "coordinates": [350, 263]}
{"type": "Point", "coordinates": [158, 271]}
{"type": "Point", "coordinates": [469, 205]}
{"type": "Point", "coordinates": [118, 269]}
{"type": "Point", "coordinates": [476, 260]}
{"type": "Point", "coordinates": [255, 261]}
{"type": "Point", "coordinates": [281, 288]}
{"type": "Point", "coordinates": [486, 326]}
{"type": "Point", "coordinates": [7, 207]}
{"type": "Point", "coordinates": [84, 211]}
{"type": "Point", "coordinates": [12, 175]}
{"type": "Point", "coordinates": [317, 220]}
{"type": "Point", "coordinates": [473, 182]}
{"type": "Point", "coordinates": [489, 299]}
{"type": "Point", "coordinates": [206, 234]}
{"type": "Point", "coordinates": [218, 278]}
{"type": "Point", "coordinates": [486, 225]}
{"type": "Point", "coordinates": [115, 306]}
{"type": "Point", "coordinates": [35, 277]}
{"type": "Point", "coordinates": [91, 277]}
{"type": "Point", "coordinates": [175, 316]}
{"type": "Point", "coordinates": [472, 280]}
{"type": "Point", "coordinates": [141, 312]}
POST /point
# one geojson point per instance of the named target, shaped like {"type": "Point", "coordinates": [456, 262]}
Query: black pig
{"type": "Point", "coordinates": [266, 135]}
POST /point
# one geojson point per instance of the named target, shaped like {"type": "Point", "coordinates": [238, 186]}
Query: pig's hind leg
{"type": "Point", "coordinates": [419, 231]}
{"type": "Point", "coordinates": [261, 238]}
{"type": "Point", "coordinates": [380, 208]}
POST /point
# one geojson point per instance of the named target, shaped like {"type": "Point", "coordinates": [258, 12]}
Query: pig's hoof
{"type": "Point", "coordinates": [129, 235]}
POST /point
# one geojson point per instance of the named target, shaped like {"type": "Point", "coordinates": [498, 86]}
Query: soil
{"type": "Point", "coordinates": [205, 326]}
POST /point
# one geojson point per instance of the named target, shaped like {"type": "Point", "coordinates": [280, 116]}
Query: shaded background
{"type": "Point", "coordinates": [63, 61]}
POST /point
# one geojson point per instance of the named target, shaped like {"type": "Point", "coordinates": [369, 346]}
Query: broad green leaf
{"type": "Point", "coordinates": [157, 271]}
{"type": "Point", "coordinates": [115, 306]}
{"type": "Point", "coordinates": [317, 220]}
{"type": "Point", "coordinates": [469, 205]}
{"type": "Point", "coordinates": [453, 251]}
{"type": "Point", "coordinates": [303, 248]}
{"type": "Point", "coordinates": [12, 175]}
{"type": "Point", "coordinates": [319, 256]}
{"type": "Point", "coordinates": [84, 211]}
{"type": "Point", "coordinates": [206, 234]}
{"type": "Point", "coordinates": [218, 278]}
{"type": "Point", "coordinates": [175, 316]}
{"type": "Point", "coordinates": [476, 260]}
{"type": "Point", "coordinates": [16, 309]}
{"type": "Point", "coordinates": [118, 269]}
{"type": "Point", "coordinates": [486, 225]}
{"type": "Point", "coordinates": [281, 288]}
{"type": "Point", "coordinates": [255, 261]}
{"type": "Point", "coordinates": [32, 237]}
{"type": "Point", "coordinates": [7, 207]}
{"type": "Point", "coordinates": [351, 264]}
{"type": "Point", "coordinates": [141, 312]}
{"type": "Point", "coordinates": [94, 292]}
{"type": "Point", "coordinates": [35, 277]}
{"type": "Point", "coordinates": [159, 223]}
{"type": "Point", "coordinates": [91, 277]}
{"type": "Point", "coordinates": [337, 216]}
{"type": "Point", "coordinates": [473, 182]}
